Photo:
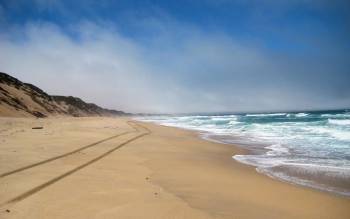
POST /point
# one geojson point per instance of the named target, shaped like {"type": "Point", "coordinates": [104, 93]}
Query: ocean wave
{"type": "Point", "coordinates": [296, 172]}
{"type": "Point", "coordinates": [339, 121]}
{"type": "Point", "coordinates": [267, 114]}
{"type": "Point", "coordinates": [298, 115]}
{"type": "Point", "coordinates": [221, 119]}
{"type": "Point", "coordinates": [258, 160]}
{"type": "Point", "coordinates": [342, 135]}
{"type": "Point", "coordinates": [234, 122]}
{"type": "Point", "coordinates": [277, 149]}
{"type": "Point", "coordinates": [336, 116]}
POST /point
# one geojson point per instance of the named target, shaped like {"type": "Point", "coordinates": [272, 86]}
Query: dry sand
{"type": "Point", "coordinates": [111, 168]}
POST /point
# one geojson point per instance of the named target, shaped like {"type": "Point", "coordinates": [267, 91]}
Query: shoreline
{"type": "Point", "coordinates": [169, 172]}
{"type": "Point", "coordinates": [285, 176]}
{"type": "Point", "coordinates": [250, 171]}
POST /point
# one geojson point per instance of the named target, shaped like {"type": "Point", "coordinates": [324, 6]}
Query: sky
{"type": "Point", "coordinates": [182, 56]}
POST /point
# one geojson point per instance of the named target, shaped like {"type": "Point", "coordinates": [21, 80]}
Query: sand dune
{"type": "Point", "coordinates": [19, 99]}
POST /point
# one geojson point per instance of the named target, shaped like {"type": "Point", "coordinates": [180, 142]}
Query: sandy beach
{"type": "Point", "coordinates": [119, 168]}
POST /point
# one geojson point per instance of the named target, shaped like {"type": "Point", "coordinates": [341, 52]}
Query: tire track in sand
{"type": "Point", "coordinates": [68, 154]}
{"type": "Point", "coordinates": [60, 177]}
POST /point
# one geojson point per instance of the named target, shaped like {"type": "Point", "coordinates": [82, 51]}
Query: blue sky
{"type": "Point", "coordinates": [183, 56]}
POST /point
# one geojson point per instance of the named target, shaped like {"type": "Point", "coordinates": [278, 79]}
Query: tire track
{"type": "Point", "coordinates": [69, 153]}
{"type": "Point", "coordinates": [60, 177]}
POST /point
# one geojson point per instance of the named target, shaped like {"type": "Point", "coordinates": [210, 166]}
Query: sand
{"type": "Point", "coordinates": [112, 168]}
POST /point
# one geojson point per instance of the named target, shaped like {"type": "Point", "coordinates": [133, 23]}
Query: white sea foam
{"type": "Point", "coordinates": [336, 116]}
{"type": "Point", "coordinates": [305, 174]}
{"type": "Point", "coordinates": [343, 135]}
{"type": "Point", "coordinates": [315, 184]}
{"type": "Point", "coordinates": [339, 121]}
{"type": "Point", "coordinates": [277, 149]}
{"type": "Point", "coordinates": [223, 119]}
{"type": "Point", "coordinates": [233, 122]}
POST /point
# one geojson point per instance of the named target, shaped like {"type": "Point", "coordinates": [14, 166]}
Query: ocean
{"type": "Point", "coordinates": [305, 148]}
